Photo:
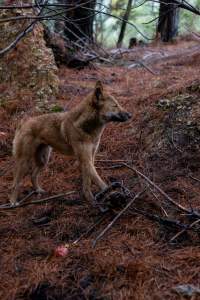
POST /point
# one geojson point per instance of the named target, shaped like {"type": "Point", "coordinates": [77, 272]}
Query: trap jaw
{"type": "Point", "coordinates": [114, 196]}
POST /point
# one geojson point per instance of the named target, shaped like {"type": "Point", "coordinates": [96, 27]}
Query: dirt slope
{"type": "Point", "coordinates": [135, 259]}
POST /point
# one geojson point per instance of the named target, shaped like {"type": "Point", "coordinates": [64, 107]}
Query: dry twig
{"type": "Point", "coordinates": [194, 178]}
{"type": "Point", "coordinates": [184, 230]}
{"type": "Point", "coordinates": [170, 200]}
{"type": "Point", "coordinates": [100, 220]}
{"type": "Point", "coordinates": [6, 206]}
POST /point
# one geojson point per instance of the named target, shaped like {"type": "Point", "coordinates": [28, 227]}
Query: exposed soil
{"type": "Point", "coordinates": [135, 259]}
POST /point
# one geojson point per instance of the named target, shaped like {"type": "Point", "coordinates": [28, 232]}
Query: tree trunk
{"type": "Point", "coordinates": [123, 27]}
{"type": "Point", "coordinates": [79, 23]}
{"type": "Point", "coordinates": [168, 20]}
{"type": "Point", "coordinates": [27, 72]}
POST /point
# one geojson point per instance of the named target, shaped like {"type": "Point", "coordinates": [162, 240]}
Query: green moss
{"type": "Point", "coordinates": [57, 108]}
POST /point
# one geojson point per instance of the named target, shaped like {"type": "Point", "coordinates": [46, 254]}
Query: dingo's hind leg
{"type": "Point", "coordinates": [42, 156]}
{"type": "Point", "coordinates": [22, 169]}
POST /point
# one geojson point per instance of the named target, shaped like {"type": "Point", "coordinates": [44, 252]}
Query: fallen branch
{"type": "Point", "coordinates": [180, 207]}
{"type": "Point", "coordinates": [111, 167]}
{"type": "Point", "coordinates": [117, 217]}
{"type": "Point", "coordinates": [160, 206]}
{"type": "Point", "coordinates": [142, 64]}
{"type": "Point", "coordinates": [100, 220]}
{"type": "Point", "coordinates": [147, 68]}
{"type": "Point", "coordinates": [184, 230]}
{"type": "Point", "coordinates": [27, 197]}
{"type": "Point", "coordinates": [163, 221]}
{"type": "Point", "coordinates": [37, 201]}
{"type": "Point", "coordinates": [111, 160]}
{"type": "Point", "coordinates": [194, 178]}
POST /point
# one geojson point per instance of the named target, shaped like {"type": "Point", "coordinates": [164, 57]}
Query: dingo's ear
{"type": "Point", "coordinates": [98, 90]}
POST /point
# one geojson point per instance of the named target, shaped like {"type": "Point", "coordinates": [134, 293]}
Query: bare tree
{"type": "Point", "coordinates": [79, 20]}
{"type": "Point", "coordinates": [168, 20]}
{"type": "Point", "coordinates": [78, 15]}
{"type": "Point", "coordinates": [124, 22]}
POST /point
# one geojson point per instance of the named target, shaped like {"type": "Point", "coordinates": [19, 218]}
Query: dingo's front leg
{"type": "Point", "coordinates": [89, 173]}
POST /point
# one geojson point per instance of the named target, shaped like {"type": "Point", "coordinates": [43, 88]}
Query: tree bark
{"type": "Point", "coordinates": [123, 27]}
{"type": "Point", "coordinates": [27, 72]}
{"type": "Point", "coordinates": [79, 23]}
{"type": "Point", "coordinates": [168, 20]}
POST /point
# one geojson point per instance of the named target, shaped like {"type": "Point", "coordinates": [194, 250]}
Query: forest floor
{"type": "Point", "coordinates": [137, 258]}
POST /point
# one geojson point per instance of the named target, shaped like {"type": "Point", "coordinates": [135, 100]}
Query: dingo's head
{"type": "Point", "coordinates": [107, 106]}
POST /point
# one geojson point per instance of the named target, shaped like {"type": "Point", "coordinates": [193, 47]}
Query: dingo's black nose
{"type": "Point", "coordinates": [122, 116]}
{"type": "Point", "coordinates": [129, 115]}
{"type": "Point", "coordinates": [125, 116]}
